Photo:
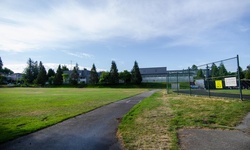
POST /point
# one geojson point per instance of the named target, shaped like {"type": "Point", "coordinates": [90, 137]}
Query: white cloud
{"type": "Point", "coordinates": [62, 22]}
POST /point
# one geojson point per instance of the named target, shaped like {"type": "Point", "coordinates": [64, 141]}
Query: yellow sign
{"type": "Point", "coordinates": [218, 84]}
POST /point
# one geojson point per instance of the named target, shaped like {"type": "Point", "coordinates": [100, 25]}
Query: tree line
{"type": "Point", "coordinates": [35, 73]}
{"type": "Point", "coordinates": [221, 71]}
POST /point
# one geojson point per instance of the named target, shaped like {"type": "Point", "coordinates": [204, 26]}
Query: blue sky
{"type": "Point", "coordinates": [162, 33]}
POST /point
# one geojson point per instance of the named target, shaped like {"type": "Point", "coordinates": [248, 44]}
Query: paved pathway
{"type": "Point", "coordinates": [207, 139]}
{"type": "Point", "coordinates": [90, 131]}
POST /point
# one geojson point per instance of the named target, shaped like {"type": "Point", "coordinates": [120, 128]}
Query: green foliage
{"type": "Point", "coordinates": [247, 75]}
{"type": "Point", "coordinates": [51, 73]}
{"type": "Point", "coordinates": [93, 75]}
{"type": "Point", "coordinates": [42, 75]}
{"type": "Point", "coordinates": [200, 74]}
{"type": "Point", "coordinates": [65, 68]}
{"type": "Point", "coordinates": [215, 71]}
{"type": "Point", "coordinates": [113, 74]}
{"type": "Point", "coordinates": [30, 72]}
{"type": "Point", "coordinates": [58, 80]}
{"type": "Point", "coordinates": [136, 77]}
{"type": "Point", "coordinates": [74, 76]}
{"type": "Point", "coordinates": [125, 76]}
{"type": "Point", "coordinates": [104, 77]}
{"type": "Point", "coordinates": [1, 64]}
{"type": "Point", "coordinates": [222, 71]}
{"type": "Point", "coordinates": [6, 71]}
{"type": "Point", "coordinates": [194, 67]}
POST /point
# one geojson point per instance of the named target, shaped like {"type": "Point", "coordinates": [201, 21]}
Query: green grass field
{"type": "Point", "coordinates": [25, 110]}
{"type": "Point", "coordinates": [245, 92]}
{"type": "Point", "coordinates": [153, 123]}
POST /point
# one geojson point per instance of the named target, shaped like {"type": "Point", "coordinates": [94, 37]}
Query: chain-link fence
{"type": "Point", "coordinates": [221, 79]}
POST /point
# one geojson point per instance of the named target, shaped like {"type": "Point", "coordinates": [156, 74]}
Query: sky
{"type": "Point", "coordinates": [161, 33]}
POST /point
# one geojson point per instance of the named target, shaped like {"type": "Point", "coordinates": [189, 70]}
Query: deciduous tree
{"type": "Point", "coordinates": [125, 76]}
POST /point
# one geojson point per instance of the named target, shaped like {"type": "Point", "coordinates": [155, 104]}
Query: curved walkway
{"type": "Point", "coordinates": [93, 130]}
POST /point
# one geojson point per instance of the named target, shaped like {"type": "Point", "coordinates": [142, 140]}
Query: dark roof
{"type": "Point", "coordinates": [153, 71]}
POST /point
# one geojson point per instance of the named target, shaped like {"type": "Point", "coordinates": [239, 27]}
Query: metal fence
{"type": "Point", "coordinates": [221, 79]}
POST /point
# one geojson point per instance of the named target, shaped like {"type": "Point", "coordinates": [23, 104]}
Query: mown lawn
{"type": "Point", "coordinates": [25, 110]}
{"type": "Point", "coordinates": [153, 123]}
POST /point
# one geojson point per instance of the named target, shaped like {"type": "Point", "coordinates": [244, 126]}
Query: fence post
{"type": "Point", "coordinates": [167, 82]}
{"type": "Point", "coordinates": [189, 81]}
{"type": "Point", "coordinates": [240, 88]}
{"type": "Point", "coordinates": [177, 83]}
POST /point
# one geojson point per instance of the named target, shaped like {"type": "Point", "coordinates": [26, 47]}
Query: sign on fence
{"type": "Point", "coordinates": [230, 81]}
{"type": "Point", "coordinates": [218, 84]}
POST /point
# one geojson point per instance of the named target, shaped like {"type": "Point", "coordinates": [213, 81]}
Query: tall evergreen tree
{"type": "Point", "coordinates": [136, 77]}
{"type": "Point", "coordinates": [74, 76]}
{"type": "Point", "coordinates": [42, 75]}
{"type": "Point", "coordinates": [58, 80]}
{"type": "Point", "coordinates": [215, 71]}
{"type": "Point", "coordinates": [51, 73]}
{"type": "Point", "coordinates": [222, 71]}
{"type": "Point", "coordinates": [247, 75]}
{"type": "Point", "coordinates": [194, 67]}
{"type": "Point", "coordinates": [200, 74]}
{"type": "Point", "coordinates": [113, 74]}
{"type": "Point", "coordinates": [65, 68]}
{"type": "Point", "coordinates": [93, 75]}
{"type": "Point", "coordinates": [1, 64]}
{"type": "Point", "coordinates": [242, 75]}
{"type": "Point", "coordinates": [31, 71]}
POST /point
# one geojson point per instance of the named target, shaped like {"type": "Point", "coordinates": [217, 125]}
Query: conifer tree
{"type": "Point", "coordinates": [58, 80]}
{"type": "Point", "coordinates": [1, 65]}
{"type": "Point", "coordinates": [136, 77]}
{"type": "Point", "coordinates": [42, 75]}
{"type": "Point", "coordinates": [93, 75]}
{"type": "Point", "coordinates": [113, 74]}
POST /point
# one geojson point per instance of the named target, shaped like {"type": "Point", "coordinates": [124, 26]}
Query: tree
{"type": "Point", "coordinates": [7, 71]}
{"type": "Point", "coordinates": [31, 71]}
{"type": "Point", "coordinates": [125, 76]}
{"type": "Point", "coordinates": [104, 77]}
{"type": "Point", "coordinates": [242, 75]}
{"type": "Point", "coordinates": [42, 75]}
{"type": "Point", "coordinates": [51, 73]}
{"type": "Point", "coordinates": [74, 75]}
{"type": "Point", "coordinates": [194, 67]}
{"type": "Point", "coordinates": [200, 74]}
{"type": "Point", "coordinates": [222, 71]}
{"type": "Point", "coordinates": [65, 68]}
{"type": "Point", "coordinates": [1, 64]}
{"type": "Point", "coordinates": [136, 77]}
{"type": "Point", "coordinates": [215, 71]}
{"type": "Point", "coordinates": [247, 75]}
{"type": "Point", "coordinates": [93, 75]}
{"type": "Point", "coordinates": [113, 74]}
{"type": "Point", "coordinates": [58, 80]}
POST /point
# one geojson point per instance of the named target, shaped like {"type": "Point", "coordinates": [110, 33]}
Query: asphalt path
{"type": "Point", "coordinates": [91, 131]}
{"type": "Point", "coordinates": [215, 94]}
